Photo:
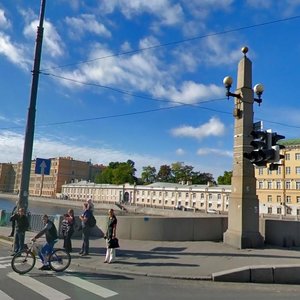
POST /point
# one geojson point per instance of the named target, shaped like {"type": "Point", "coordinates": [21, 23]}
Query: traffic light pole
{"type": "Point", "coordinates": [243, 212]}
{"type": "Point", "coordinates": [28, 143]}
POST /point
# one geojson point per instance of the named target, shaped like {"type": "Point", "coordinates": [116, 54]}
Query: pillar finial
{"type": "Point", "coordinates": [245, 50]}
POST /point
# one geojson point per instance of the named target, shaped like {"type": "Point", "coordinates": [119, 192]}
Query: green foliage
{"type": "Point", "coordinates": [118, 173]}
{"type": "Point", "coordinates": [124, 172]}
{"type": "Point", "coordinates": [165, 174]}
{"type": "Point", "coordinates": [226, 178]}
{"type": "Point", "coordinates": [148, 174]}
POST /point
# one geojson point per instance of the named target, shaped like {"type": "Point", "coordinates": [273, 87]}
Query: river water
{"type": "Point", "coordinates": [41, 208]}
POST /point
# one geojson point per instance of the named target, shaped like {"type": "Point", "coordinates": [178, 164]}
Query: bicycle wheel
{"type": "Point", "coordinates": [59, 260]}
{"type": "Point", "coordinates": [23, 261]}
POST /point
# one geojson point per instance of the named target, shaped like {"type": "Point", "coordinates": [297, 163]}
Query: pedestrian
{"type": "Point", "coordinates": [22, 225]}
{"type": "Point", "coordinates": [13, 222]}
{"type": "Point", "coordinates": [111, 234]}
{"type": "Point", "coordinates": [86, 229]}
{"type": "Point", "coordinates": [91, 205]}
{"type": "Point", "coordinates": [68, 229]}
{"type": "Point", "coordinates": [50, 232]}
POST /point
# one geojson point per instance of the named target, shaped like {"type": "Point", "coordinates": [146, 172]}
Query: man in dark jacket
{"type": "Point", "coordinates": [22, 225]}
{"type": "Point", "coordinates": [51, 235]}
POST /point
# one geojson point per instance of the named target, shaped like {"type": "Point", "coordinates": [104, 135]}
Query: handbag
{"type": "Point", "coordinates": [113, 243]}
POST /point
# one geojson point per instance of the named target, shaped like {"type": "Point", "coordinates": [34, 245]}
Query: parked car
{"type": "Point", "coordinates": [212, 211]}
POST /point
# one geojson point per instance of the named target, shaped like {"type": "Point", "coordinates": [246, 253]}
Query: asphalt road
{"type": "Point", "coordinates": [80, 283]}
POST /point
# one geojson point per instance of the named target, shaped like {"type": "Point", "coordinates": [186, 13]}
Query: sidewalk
{"type": "Point", "coordinates": [189, 260]}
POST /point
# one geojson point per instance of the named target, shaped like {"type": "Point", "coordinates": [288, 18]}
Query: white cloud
{"type": "Point", "coordinates": [4, 22]}
{"type": "Point", "coordinates": [11, 150]}
{"type": "Point", "coordinates": [209, 151]}
{"type": "Point", "coordinates": [13, 52]}
{"type": "Point", "coordinates": [52, 43]}
{"type": "Point", "coordinates": [180, 151]}
{"type": "Point", "coordinates": [213, 128]}
{"type": "Point", "coordinates": [166, 12]}
{"type": "Point", "coordinates": [260, 3]}
{"type": "Point", "coordinates": [77, 26]}
{"type": "Point", "coordinates": [190, 92]}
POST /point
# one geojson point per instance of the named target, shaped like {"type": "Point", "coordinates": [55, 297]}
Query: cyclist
{"type": "Point", "coordinates": [50, 232]}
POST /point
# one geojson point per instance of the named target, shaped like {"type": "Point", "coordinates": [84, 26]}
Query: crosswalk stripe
{"type": "Point", "coordinates": [4, 296]}
{"type": "Point", "coordinates": [38, 287]}
{"type": "Point", "coordinates": [86, 285]}
{"type": "Point", "coordinates": [5, 257]}
{"type": "Point", "coordinates": [3, 266]}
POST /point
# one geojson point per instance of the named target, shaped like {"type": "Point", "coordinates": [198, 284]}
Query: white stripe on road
{"type": "Point", "coordinates": [88, 286]}
{"type": "Point", "coordinates": [4, 296]}
{"type": "Point", "coordinates": [38, 287]}
{"type": "Point", "coordinates": [5, 257]}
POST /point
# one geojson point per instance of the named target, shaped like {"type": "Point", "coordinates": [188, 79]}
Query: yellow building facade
{"type": "Point", "coordinates": [279, 190]}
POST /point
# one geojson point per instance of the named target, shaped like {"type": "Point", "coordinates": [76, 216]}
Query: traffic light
{"type": "Point", "coordinates": [262, 151]}
{"type": "Point", "coordinates": [277, 147]}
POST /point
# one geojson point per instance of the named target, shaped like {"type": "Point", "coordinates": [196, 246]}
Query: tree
{"type": "Point", "coordinates": [181, 172]}
{"type": "Point", "coordinates": [148, 174]}
{"type": "Point", "coordinates": [164, 174]}
{"type": "Point", "coordinates": [118, 173]}
{"type": "Point", "coordinates": [226, 178]}
{"type": "Point", "coordinates": [202, 178]}
{"type": "Point", "coordinates": [105, 176]}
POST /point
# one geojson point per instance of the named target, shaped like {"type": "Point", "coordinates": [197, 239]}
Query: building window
{"type": "Point", "coordinates": [269, 185]}
{"type": "Point", "coordinates": [287, 170]}
{"type": "Point", "coordinates": [194, 195]}
{"type": "Point", "coordinates": [278, 210]}
{"type": "Point", "coordinates": [219, 196]}
{"type": "Point", "coordinates": [288, 185]}
{"type": "Point", "coordinates": [260, 171]}
{"type": "Point", "coordinates": [298, 185]}
{"type": "Point", "coordinates": [269, 210]}
{"type": "Point", "coordinates": [297, 170]}
{"type": "Point", "coordinates": [288, 211]}
{"type": "Point", "coordinates": [210, 196]}
{"type": "Point", "coordinates": [269, 198]}
{"type": "Point", "coordinates": [269, 172]}
{"type": "Point", "coordinates": [278, 171]}
{"type": "Point", "coordinates": [260, 185]}
{"type": "Point", "coordinates": [298, 211]}
{"type": "Point", "coordinates": [298, 199]}
{"type": "Point", "coordinates": [186, 195]}
{"type": "Point", "coordinates": [278, 185]}
{"type": "Point", "coordinates": [278, 199]}
{"type": "Point", "coordinates": [287, 156]}
{"type": "Point", "coordinates": [202, 196]}
{"type": "Point", "coordinates": [297, 156]}
{"type": "Point", "coordinates": [288, 199]}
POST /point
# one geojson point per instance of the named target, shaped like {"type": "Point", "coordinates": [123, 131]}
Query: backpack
{"type": "Point", "coordinates": [91, 221]}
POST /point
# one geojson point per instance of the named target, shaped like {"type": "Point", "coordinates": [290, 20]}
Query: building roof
{"type": "Point", "coordinates": [290, 142]}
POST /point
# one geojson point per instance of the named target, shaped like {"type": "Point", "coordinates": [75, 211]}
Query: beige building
{"type": "Point", "coordinates": [7, 177]}
{"type": "Point", "coordinates": [279, 191]}
{"type": "Point", "coordinates": [160, 195]}
{"type": "Point", "coordinates": [63, 170]}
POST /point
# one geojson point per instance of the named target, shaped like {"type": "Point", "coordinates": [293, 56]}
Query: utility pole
{"type": "Point", "coordinates": [243, 213]}
{"type": "Point", "coordinates": [28, 143]}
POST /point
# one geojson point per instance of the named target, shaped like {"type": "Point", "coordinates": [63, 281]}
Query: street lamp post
{"type": "Point", "coordinates": [28, 143]}
{"type": "Point", "coordinates": [243, 212]}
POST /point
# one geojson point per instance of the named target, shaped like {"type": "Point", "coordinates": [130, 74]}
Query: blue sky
{"type": "Point", "coordinates": [142, 80]}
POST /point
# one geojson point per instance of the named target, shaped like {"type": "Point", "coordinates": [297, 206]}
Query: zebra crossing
{"type": "Point", "coordinates": [48, 292]}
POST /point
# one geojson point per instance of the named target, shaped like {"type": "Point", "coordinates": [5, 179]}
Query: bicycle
{"type": "Point", "coordinates": [24, 261]}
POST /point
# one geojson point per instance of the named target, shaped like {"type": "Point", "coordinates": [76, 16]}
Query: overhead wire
{"type": "Point", "coordinates": [43, 71]}
{"type": "Point", "coordinates": [175, 42]}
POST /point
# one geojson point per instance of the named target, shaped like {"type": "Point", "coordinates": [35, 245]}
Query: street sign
{"type": "Point", "coordinates": [258, 125]}
{"type": "Point", "coordinates": [42, 166]}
